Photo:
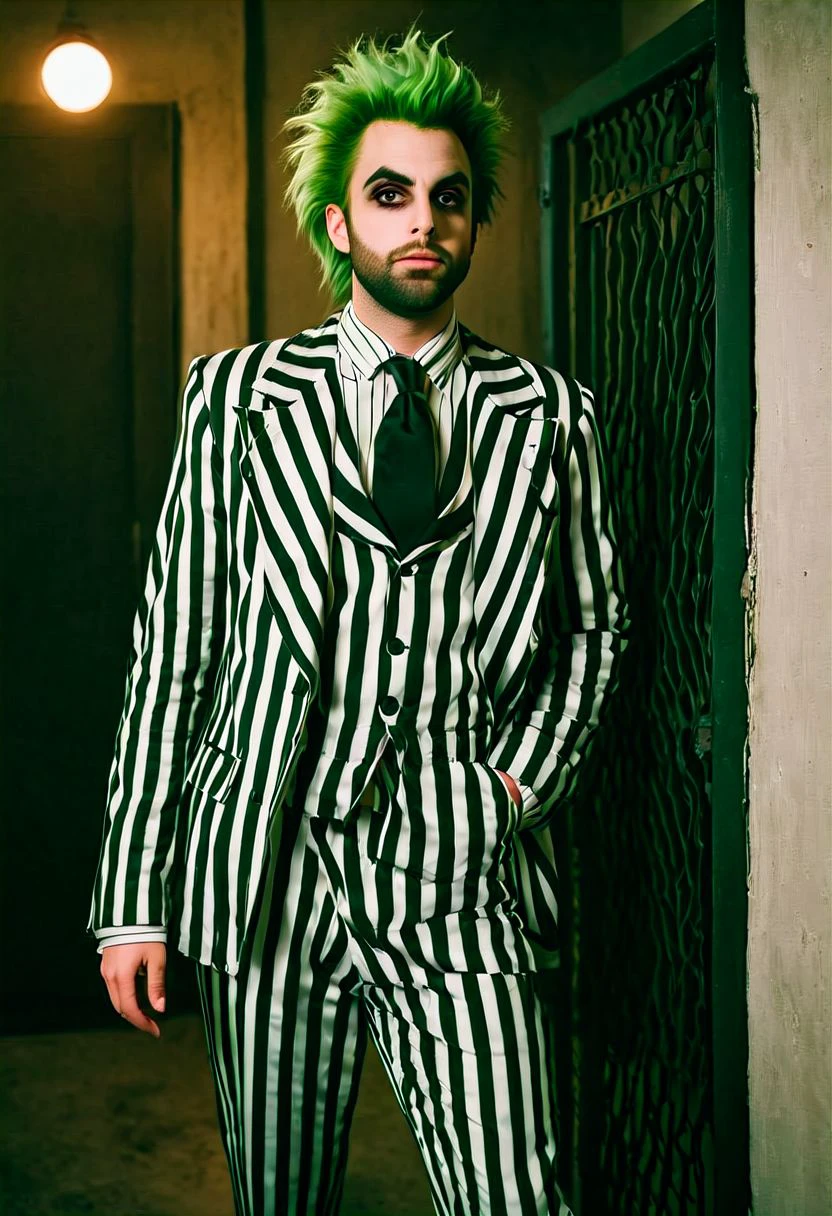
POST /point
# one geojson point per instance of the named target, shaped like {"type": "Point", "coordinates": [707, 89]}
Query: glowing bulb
{"type": "Point", "coordinates": [76, 76]}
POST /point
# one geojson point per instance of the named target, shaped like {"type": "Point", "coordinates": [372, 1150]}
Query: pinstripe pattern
{"type": "Point", "coordinates": [229, 644]}
{"type": "Point", "coordinates": [368, 395]}
{"type": "Point", "coordinates": [287, 1035]}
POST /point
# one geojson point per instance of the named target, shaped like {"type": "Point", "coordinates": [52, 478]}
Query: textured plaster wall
{"type": "Point", "coordinates": [790, 921]}
{"type": "Point", "coordinates": [643, 19]}
{"type": "Point", "coordinates": [534, 53]}
{"type": "Point", "coordinates": [186, 51]}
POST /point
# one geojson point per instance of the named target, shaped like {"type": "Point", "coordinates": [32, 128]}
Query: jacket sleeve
{"type": "Point", "coordinates": [584, 627]}
{"type": "Point", "coordinates": [169, 675]}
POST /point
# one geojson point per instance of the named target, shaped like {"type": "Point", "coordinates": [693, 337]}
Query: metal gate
{"type": "Point", "coordinates": [634, 206]}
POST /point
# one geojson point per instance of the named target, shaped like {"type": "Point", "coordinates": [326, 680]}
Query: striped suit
{"type": "Point", "coordinates": [235, 797]}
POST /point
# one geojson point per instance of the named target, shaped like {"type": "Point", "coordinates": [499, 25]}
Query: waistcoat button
{"type": "Point", "coordinates": [395, 646]}
{"type": "Point", "coordinates": [389, 705]}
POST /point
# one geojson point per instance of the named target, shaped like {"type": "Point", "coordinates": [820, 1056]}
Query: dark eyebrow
{"type": "Point", "coordinates": [453, 179]}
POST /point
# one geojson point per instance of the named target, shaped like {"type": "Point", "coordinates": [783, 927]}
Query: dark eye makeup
{"type": "Point", "coordinates": [456, 195]}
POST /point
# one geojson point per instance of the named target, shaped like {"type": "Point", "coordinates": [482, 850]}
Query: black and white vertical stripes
{"type": "Point", "coordinates": [230, 634]}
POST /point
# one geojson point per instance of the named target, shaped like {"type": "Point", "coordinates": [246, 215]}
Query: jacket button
{"type": "Point", "coordinates": [389, 706]}
{"type": "Point", "coordinates": [395, 646]}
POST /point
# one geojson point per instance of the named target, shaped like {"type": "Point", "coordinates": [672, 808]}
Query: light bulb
{"type": "Point", "coordinates": [76, 76]}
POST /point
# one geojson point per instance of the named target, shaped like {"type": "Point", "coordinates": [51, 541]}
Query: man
{"type": "Point", "coordinates": [380, 616]}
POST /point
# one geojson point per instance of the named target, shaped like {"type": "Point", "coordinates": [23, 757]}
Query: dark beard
{"type": "Point", "coordinates": [421, 292]}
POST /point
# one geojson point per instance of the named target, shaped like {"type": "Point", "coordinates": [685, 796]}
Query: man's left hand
{"type": "Point", "coordinates": [513, 788]}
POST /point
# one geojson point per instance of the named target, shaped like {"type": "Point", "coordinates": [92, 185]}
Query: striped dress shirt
{"type": "Point", "coordinates": [368, 394]}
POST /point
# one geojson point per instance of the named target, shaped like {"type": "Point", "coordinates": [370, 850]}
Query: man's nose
{"type": "Point", "coordinates": [424, 220]}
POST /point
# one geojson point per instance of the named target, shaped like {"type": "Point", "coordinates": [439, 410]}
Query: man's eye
{"type": "Point", "coordinates": [452, 197]}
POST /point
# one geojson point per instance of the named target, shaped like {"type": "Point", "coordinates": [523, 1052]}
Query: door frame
{"type": "Point", "coordinates": [721, 25]}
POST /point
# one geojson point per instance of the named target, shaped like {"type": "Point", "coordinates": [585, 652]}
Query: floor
{"type": "Point", "coordinates": [116, 1123]}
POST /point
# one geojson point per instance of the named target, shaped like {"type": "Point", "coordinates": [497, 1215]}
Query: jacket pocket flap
{"type": "Point", "coordinates": [213, 771]}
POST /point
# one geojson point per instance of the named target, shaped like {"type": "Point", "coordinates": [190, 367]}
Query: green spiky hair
{"type": "Point", "coordinates": [412, 82]}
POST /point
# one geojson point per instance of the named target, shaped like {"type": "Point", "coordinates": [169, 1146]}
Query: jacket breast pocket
{"type": "Point", "coordinates": [213, 771]}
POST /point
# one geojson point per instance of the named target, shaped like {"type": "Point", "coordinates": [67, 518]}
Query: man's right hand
{"type": "Point", "coordinates": [120, 965]}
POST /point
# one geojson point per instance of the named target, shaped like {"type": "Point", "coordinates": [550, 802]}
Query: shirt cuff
{"type": "Point", "coordinates": [128, 935]}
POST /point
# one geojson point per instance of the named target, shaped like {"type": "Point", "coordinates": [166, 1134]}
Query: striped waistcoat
{"type": "Point", "coordinates": [229, 637]}
{"type": "Point", "coordinates": [398, 669]}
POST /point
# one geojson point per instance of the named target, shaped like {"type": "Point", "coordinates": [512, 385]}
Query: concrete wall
{"type": "Point", "coordinates": [790, 924]}
{"type": "Point", "coordinates": [190, 52]}
{"type": "Point", "coordinates": [643, 19]}
{"type": "Point", "coordinates": [534, 53]}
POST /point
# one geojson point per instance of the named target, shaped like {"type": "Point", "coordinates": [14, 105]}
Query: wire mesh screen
{"type": "Point", "coordinates": [642, 336]}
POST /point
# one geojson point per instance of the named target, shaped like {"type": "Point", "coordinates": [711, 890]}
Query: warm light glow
{"type": "Point", "coordinates": [76, 76]}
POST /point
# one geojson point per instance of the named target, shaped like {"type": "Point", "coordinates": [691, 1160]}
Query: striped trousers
{"type": "Point", "coordinates": [469, 1053]}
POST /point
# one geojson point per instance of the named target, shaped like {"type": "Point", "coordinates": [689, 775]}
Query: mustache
{"type": "Point", "coordinates": [422, 251]}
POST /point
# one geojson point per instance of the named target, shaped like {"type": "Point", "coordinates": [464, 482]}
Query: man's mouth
{"type": "Point", "coordinates": [421, 257]}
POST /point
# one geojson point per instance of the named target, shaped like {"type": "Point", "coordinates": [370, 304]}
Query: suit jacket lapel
{"type": "Point", "coordinates": [288, 421]}
{"type": "Point", "coordinates": [513, 434]}
{"type": "Point", "coordinates": [355, 509]}
{"type": "Point", "coordinates": [514, 430]}
{"type": "Point", "coordinates": [288, 424]}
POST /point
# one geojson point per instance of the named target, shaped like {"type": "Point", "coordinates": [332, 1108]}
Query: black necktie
{"type": "Point", "coordinates": [404, 461]}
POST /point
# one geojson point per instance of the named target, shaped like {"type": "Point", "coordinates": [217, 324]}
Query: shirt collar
{"type": "Point", "coordinates": [366, 350]}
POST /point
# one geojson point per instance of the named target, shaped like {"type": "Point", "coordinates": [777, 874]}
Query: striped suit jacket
{"type": "Point", "coordinates": [228, 634]}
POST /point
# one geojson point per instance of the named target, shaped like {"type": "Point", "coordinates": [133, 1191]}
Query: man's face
{"type": "Point", "coordinates": [410, 192]}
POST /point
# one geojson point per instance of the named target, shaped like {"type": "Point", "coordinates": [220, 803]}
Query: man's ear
{"type": "Point", "coordinates": [336, 226]}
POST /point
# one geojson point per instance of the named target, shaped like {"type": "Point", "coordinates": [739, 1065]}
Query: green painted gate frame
{"type": "Point", "coordinates": [719, 24]}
